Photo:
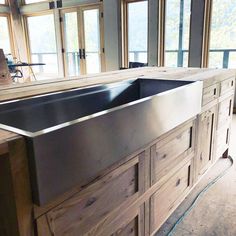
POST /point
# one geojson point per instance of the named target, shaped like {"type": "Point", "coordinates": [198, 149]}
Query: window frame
{"type": "Point", "coordinates": [163, 35]}
{"type": "Point", "coordinates": [124, 32]}
{"type": "Point", "coordinates": [23, 2]}
{"type": "Point", "coordinates": [27, 38]}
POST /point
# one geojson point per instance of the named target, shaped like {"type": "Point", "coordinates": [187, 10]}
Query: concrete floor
{"type": "Point", "coordinates": [215, 212]}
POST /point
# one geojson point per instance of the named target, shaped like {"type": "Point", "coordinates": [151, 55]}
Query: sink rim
{"type": "Point", "coordinates": [96, 114]}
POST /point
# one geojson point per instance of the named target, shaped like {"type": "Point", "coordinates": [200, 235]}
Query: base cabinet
{"type": "Point", "coordinates": [206, 134]}
{"type": "Point", "coordinates": [225, 112]}
{"type": "Point", "coordinates": [169, 196]}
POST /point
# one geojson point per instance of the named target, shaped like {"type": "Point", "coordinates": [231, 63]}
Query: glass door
{"type": "Point", "coordinates": [82, 44]}
{"type": "Point", "coordinates": [71, 42]}
{"type": "Point", "coordinates": [91, 39]}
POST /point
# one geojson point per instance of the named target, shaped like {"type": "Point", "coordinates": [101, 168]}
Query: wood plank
{"type": "Point", "coordinates": [15, 195]}
{"type": "Point", "coordinates": [209, 76]}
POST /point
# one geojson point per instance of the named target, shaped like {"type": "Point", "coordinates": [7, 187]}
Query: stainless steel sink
{"type": "Point", "coordinates": [73, 136]}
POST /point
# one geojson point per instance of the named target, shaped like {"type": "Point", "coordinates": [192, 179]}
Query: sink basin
{"type": "Point", "coordinates": [72, 136]}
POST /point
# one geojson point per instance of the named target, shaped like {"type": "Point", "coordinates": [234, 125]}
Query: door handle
{"type": "Point", "coordinates": [80, 54]}
{"type": "Point", "coordinates": [83, 54]}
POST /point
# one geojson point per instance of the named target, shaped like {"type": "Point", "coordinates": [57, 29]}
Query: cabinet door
{"type": "Point", "coordinates": [95, 210]}
{"type": "Point", "coordinates": [224, 125]}
{"type": "Point", "coordinates": [205, 139]}
{"type": "Point", "coordinates": [123, 226]}
{"type": "Point", "coordinates": [171, 151]}
{"type": "Point", "coordinates": [169, 196]}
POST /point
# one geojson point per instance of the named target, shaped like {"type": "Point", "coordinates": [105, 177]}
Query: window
{"type": "Point", "coordinates": [33, 1]}
{"type": "Point", "coordinates": [4, 35]}
{"type": "Point", "coordinates": [2, 2]}
{"type": "Point", "coordinates": [223, 34]}
{"type": "Point", "coordinates": [177, 26]}
{"type": "Point", "coordinates": [137, 17]}
{"type": "Point", "coordinates": [43, 45]}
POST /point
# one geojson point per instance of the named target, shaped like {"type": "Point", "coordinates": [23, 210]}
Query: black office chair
{"type": "Point", "coordinates": [137, 64]}
{"type": "Point", "coordinates": [134, 65]}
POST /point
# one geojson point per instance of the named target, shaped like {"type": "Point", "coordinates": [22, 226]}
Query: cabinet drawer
{"type": "Point", "coordinates": [225, 112]}
{"type": "Point", "coordinates": [127, 225]}
{"type": "Point", "coordinates": [222, 140]}
{"type": "Point", "coordinates": [85, 211]}
{"type": "Point", "coordinates": [166, 154]}
{"type": "Point", "coordinates": [169, 196]}
{"type": "Point", "coordinates": [227, 85]}
{"type": "Point", "coordinates": [210, 93]}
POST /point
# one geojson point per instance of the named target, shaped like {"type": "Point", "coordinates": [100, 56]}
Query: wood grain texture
{"type": "Point", "coordinates": [16, 215]}
{"type": "Point", "coordinates": [165, 200]}
{"type": "Point", "coordinates": [91, 207]}
{"type": "Point", "coordinates": [208, 76]}
{"type": "Point", "coordinates": [134, 196]}
{"type": "Point", "coordinates": [165, 157]}
{"type": "Point", "coordinates": [206, 140]}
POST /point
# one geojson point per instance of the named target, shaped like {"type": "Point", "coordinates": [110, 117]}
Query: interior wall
{"type": "Point", "coordinates": [111, 34]}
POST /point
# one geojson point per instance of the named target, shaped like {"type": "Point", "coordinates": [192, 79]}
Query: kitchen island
{"type": "Point", "coordinates": [133, 195]}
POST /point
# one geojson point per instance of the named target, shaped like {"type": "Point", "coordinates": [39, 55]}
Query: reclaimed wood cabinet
{"type": "Point", "coordinates": [168, 197]}
{"type": "Point", "coordinates": [167, 153]}
{"type": "Point", "coordinates": [206, 134]}
{"type": "Point", "coordinates": [92, 210]}
{"type": "Point", "coordinates": [135, 196]}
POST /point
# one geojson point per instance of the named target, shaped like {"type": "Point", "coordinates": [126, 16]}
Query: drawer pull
{"type": "Point", "coordinates": [164, 156]}
{"type": "Point", "coordinates": [232, 83]}
{"type": "Point", "coordinates": [178, 182]}
{"type": "Point", "coordinates": [214, 91]}
{"type": "Point", "coordinates": [201, 156]}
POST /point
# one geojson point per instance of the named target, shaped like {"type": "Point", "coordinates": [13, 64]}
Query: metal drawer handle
{"type": "Point", "coordinates": [178, 182]}
{"type": "Point", "coordinates": [214, 91]}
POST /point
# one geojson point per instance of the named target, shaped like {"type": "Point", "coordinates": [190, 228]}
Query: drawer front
{"type": "Point", "coordinates": [131, 229]}
{"type": "Point", "coordinates": [210, 93]}
{"type": "Point", "coordinates": [165, 200]}
{"type": "Point", "coordinates": [225, 112]}
{"type": "Point", "coordinates": [87, 209]}
{"type": "Point", "coordinates": [227, 85]}
{"type": "Point", "coordinates": [166, 154]}
{"type": "Point", "coordinates": [222, 140]}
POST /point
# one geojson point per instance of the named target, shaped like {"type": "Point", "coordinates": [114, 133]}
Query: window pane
{"type": "Point", "coordinates": [71, 43]}
{"type": "Point", "coordinates": [2, 2]}
{"type": "Point", "coordinates": [33, 1]}
{"type": "Point", "coordinates": [137, 31]}
{"type": "Point", "coordinates": [223, 34]}
{"type": "Point", "coordinates": [4, 35]}
{"type": "Point", "coordinates": [177, 25]}
{"type": "Point", "coordinates": [92, 41]}
{"type": "Point", "coordinates": [43, 44]}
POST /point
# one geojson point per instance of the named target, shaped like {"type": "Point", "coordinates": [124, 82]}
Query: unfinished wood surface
{"type": "Point", "coordinates": [136, 195]}
{"type": "Point", "coordinates": [165, 200]}
{"type": "Point", "coordinates": [16, 215]}
{"type": "Point", "coordinates": [210, 93]}
{"type": "Point", "coordinates": [206, 134]}
{"type": "Point", "coordinates": [86, 209]}
{"type": "Point", "coordinates": [172, 150]}
{"type": "Point", "coordinates": [208, 76]}
{"type": "Point", "coordinates": [225, 112]}
{"type": "Point", "coordinates": [227, 85]}
{"type": "Point", "coordinates": [5, 77]}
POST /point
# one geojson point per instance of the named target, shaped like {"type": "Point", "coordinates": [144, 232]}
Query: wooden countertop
{"type": "Point", "coordinates": [16, 91]}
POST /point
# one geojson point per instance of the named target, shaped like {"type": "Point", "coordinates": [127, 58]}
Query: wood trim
{"type": "Point", "coordinates": [15, 191]}
{"type": "Point", "coordinates": [124, 31]}
{"type": "Point", "coordinates": [206, 33]}
{"type": "Point", "coordinates": [161, 33]}
{"type": "Point", "coordinates": [124, 34]}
